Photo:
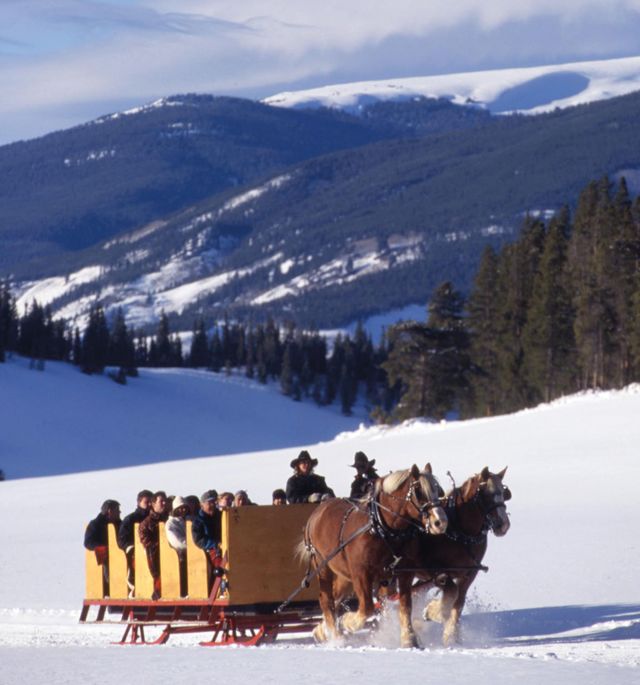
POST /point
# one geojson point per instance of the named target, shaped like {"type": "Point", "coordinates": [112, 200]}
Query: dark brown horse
{"type": "Point", "coordinates": [452, 561]}
{"type": "Point", "coordinates": [354, 546]}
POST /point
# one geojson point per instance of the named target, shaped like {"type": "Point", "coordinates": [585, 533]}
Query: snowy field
{"type": "Point", "coordinates": [560, 603]}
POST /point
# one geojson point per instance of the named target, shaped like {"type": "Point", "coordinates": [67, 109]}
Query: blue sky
{"type": "Point", "coordinates": [63, 62]}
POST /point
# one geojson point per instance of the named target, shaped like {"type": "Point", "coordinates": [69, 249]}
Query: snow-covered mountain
{"type": "Point", "coordinates": [528, 89]}
{"type": "Point", "coordinates": [560, 603]}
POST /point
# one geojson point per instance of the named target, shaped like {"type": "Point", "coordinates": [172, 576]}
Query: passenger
{"type": "Point", "coordinates": [193, 505]}
{"type": "Point", "coordinates": [241, 499]}
{"type": "Point", "coordinates": [365, 476]}
{"type": "Point", "coordinates": [176, 530]}
{"type": "Point", "coordinates": [125, 534]}
{"type": "Point", "coordinates": [169, 505]}
{"type": "Point", "coordinates": [96, 537]}
{"type": "Point", "coordinates": [225, 501]}
{"type": "Point", "coordinates": [206, 529]}
{"type": "Point", "coordinates": [304, 485]}
{"type": "Point", "coordinates": [149, 533]}
{"type": "Point", "coordinates": [279, 498]}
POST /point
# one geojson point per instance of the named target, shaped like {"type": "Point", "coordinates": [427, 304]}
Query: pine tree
{"type": "Point", "coordinates": [483, 322]}
{"type": "Point", "coordinates": [591, 268]}
{"type": "Point", "coordinates": [517, 266]}
{"type": "Point", "coordinates": [548, 341]}
{"type": "Point", "coordinates": [95, 342]}
{"type": "Point", "coordinates": [199, 353]}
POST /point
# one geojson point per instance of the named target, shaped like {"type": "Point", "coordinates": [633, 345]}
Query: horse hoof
{"type": "Point", "coordinates": [319, 634]}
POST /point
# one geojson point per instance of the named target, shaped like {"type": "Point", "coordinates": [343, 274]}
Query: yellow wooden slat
{"type": "Point", "coordinates": [117, 567]}
{"type": "Point", "coordinates": [93, 576]}
{"type": "Point", "coordinates": [197, 578]}
{"type": "Point", "coordinates": [169, 567]}
{"type": "Point", "coordinates": [143, 577]}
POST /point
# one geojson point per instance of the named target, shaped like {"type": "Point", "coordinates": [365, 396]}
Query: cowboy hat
{"type": "Point", "coordinates": [304, 456]}
{"type": "Point", "coordinates": [361, 461]}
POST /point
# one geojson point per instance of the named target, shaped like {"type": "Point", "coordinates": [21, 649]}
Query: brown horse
{"type": "Point", "coordinates": [452, 561]}
{"type": "Point", "coordinates": [354, 546]}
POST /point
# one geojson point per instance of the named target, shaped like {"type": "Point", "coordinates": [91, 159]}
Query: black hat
{"type": "Point", "coordinates": [208, 495]}
{"type": "Point", "coordinates": [360, 461]}
{"type": "Point", "coordinates": [304, 456]}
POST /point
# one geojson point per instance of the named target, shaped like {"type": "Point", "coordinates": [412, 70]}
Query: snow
{"type": "Point", "coordinates": [560, 603]}
{"type": "Point", "coordinates": [532, 89]}
{"type": "Point", "coordinates": [48, 289]}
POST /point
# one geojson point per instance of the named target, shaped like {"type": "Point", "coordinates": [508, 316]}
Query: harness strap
{"type": "Point", "coordinates": [310, 575]}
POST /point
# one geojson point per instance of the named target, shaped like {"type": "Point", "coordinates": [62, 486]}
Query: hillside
{"type": "Point", "coordinates": [560, 603]}
{"type": "Point", "coordinates": [356, 232]}
{"type": "Point", "coordinates": [165, 414]}
{"type": "Point", "coordinates": [73, 189]}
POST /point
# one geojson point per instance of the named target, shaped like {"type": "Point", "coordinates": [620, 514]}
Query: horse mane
{"type": "Point", "coordinates": [394, 480]}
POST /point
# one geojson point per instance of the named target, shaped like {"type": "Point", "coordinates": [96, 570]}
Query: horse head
{"type": "Point", "coordinates": [488, 490]}
{"type": "Point", "coordinates": [418, 497]}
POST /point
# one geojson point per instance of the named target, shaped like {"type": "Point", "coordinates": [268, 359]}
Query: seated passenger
{"type": "Point", "coordinates": [96, 537]}
{"type": "Point", "coordinates": [241, 499]}
{"type": "Point", "coordinates": [304, 485]}
{"type": "Point", "coordinates": [176, 531]}
{"type": "Point", "coordinates": [149, 532]}
{"type": "Point", "coordinates": [279, 497]}
{"type": "Point", "coordinates": [365, 476]}
{"type": "Point", "coordinates": [225, 501]}
{"type": "Point", "coordinates": [192, 503]}
{"type": "Point", "coordinates": [125, 534]}
{"type": "Point", "coordinates": [205, 531]}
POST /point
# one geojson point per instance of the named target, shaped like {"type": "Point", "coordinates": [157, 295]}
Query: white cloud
{"type": "Point", "coordinates": [63, 61]}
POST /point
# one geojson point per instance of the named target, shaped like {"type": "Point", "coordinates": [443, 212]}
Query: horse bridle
{"type": "Point", "coordinates": [411, 497]}
{"type": "Point", "coordinates": [485, 509]}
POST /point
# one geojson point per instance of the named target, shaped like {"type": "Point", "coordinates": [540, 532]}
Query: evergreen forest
{"type": "Point", "coordinates": [555, 312]}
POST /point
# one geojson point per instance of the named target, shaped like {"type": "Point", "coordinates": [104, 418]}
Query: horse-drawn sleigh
{"type": "Point", "coordinates": [375, 548]}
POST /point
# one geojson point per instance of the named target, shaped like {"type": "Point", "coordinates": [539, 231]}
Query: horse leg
{"type": "Point", "coordinates": [451, 634]}
{"type": "Point", "coordinates": [438, 610]}
{"type": "Point", "coordinates": [353, 621]}
{"type": "Point", "coordinates": [407, 634]}
{"type": "Point", "coordinates": [326, 629]}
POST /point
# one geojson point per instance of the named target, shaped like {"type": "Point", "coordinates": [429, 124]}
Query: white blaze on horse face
{"type": "Point", "coordinates": [437, 520]}
{"type": "Point", "coordinates": [500, 523]}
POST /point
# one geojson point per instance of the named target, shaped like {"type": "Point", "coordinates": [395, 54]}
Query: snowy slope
{"type": "Point", "coordinates": [532, 89]}
{"type": "Point", "coordinates": [560, 603]}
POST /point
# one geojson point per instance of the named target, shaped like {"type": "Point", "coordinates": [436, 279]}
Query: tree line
{"type": "Point", "coordinates": [555, 312]}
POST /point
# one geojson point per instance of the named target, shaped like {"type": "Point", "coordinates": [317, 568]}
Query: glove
{"type": "Point", "coordinates": [102, 555]}
{"type": "Point", "coordinates": [316, 497]}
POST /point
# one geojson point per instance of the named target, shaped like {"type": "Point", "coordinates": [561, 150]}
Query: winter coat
{"type": "Point", "coordinates": [206, 530]}
{"type": "Point", "coordinates": [300, 487]}
{"type": "Point", "coordinates": [362, 485]}
{"type": "Point", "coordinates": [176, 530]}
{"type": "Point", "coordinates": [96, 533]}
{"type": "Point", "coordinates": [149, 533]}
{"type": "Point", "coordinates": [125, 534]}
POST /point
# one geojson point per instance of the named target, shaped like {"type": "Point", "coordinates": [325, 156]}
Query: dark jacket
{"type": "Point", "coordinates": [96, 533]}
{"type": "Point", "coordinates": [125, 534]}
{"type": "Point", "coordinates": [362, 485]}
{"type": "Point", "coordinates": [149, 532]}
{"type": "Point", "coordinates": [205, 530]}
{"type": "Point", "coordinates": [300, 487]}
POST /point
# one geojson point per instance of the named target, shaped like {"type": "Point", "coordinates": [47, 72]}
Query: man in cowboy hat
{"type": "Point", "coordinates": [304, 485]}
{"type": "Point", "coordinates": [365, 476]}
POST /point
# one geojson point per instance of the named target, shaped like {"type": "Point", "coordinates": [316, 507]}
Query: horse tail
{"type": "Point", "coordinates": [302, 552]}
